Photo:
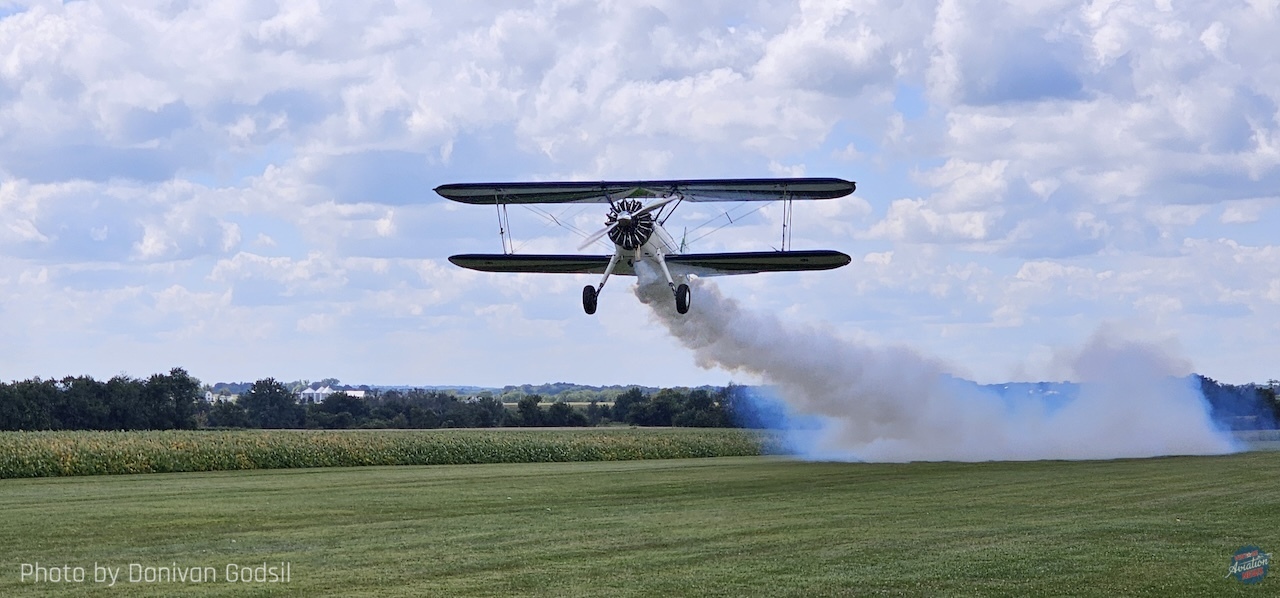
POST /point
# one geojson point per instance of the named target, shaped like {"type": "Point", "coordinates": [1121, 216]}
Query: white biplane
{"type": "Point", "coordinates": [637, 212]}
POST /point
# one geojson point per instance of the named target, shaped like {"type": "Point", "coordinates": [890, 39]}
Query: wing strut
{"type": "Point", "coordinates": [504, 229]}
{"type": "Point", "coordinates": [786, 222]}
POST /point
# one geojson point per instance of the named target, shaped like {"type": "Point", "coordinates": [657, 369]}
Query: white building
{"type": "Point", "coordinates": [314, 394]}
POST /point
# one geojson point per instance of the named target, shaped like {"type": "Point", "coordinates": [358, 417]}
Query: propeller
{"type": "Point", "coordinates": [629, 223]}
{"type": "Point", "coordinates": [596, 236]}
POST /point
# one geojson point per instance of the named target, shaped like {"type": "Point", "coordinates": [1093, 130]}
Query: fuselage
{"type": "Point", "coordinates": [659, 245]}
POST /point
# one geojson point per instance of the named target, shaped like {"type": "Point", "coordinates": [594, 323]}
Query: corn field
{"type": "Point", "coordinates": [45, 454]}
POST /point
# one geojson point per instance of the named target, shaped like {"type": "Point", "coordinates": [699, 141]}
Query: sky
{"type": "Point", "coordinates": [244, 188]}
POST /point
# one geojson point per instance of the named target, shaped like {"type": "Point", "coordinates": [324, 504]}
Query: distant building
{"type": "Point", "coordinates": [219, 397]}
{"type": "Point", "coordinates": [316, 393]}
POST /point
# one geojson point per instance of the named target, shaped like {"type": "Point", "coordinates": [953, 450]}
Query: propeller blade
{"type": "Point", "coordinates": [653, 206]}
{"type": "Point", "coordinates": [609, 198]}
{"type": "Point", "coordinates": [596, 236]}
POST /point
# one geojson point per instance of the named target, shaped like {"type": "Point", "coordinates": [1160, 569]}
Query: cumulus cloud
{"type": "Point", "coordinates": [272, 163]}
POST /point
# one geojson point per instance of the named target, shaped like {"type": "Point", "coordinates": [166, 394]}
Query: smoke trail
{"type": "Point", "coordinates": [894, 404]}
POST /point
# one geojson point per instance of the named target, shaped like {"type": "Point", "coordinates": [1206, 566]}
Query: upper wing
{"type": "Point", "coordinates": [723, 264]}
{"type": "Point", "coordinates": [550, 264]}
{"type": "Point", "coordinates": [701, 264]}
{"type": "Point", "coordinates": [606, 191]}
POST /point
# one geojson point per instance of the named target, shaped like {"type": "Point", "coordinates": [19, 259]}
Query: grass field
{"type": "Point", "coordinates": [699, 527]}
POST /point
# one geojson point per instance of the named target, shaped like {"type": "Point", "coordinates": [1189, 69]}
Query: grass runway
{"type": "Point", "coordinates": [699, 527]}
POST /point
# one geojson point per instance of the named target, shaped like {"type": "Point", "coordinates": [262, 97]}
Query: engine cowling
{"type": "Point", "coordinates": [630, 231]}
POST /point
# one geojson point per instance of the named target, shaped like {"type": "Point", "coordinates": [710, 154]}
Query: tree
{"type": "Point", "coordinates": [173, 399]}
{"type": "Point", "coordinates": [269, 404]}
{"type": "Point", "coordinates": [226, 414]}
{"type": "Point", "coordinates": [744, 409]}
{"type": "Point", "coordinates": [84, 404]}
{"type": "Point", "coordinates": [341, 410]}
{"type": "Point", "coordinates": [422, 418]}
{"type": "Point", "coordinates": [699, 410]}
{"type": "Point", "coordinates": [1271, 399]}
{"type": "Point", "coordinates": [594, 413]}
{"type": "Point", "coordinates": [562, 414]}
{"type": "Point", "coordinates": [340, 402]}
{"type": "Point", "coordinates": [1238, 407]}
{"type": "Point", "coordinates": [659, 410]}
{"type": "Point", "coordinates": [127, 404]}
{"type": "Point", "coordinates": [487, 412]}
{"type": "Point", "coordinates": [28, 405]}
{"type": "Point", "coordinates": [530, 413]}
{"type": "Point", "coordinates": [622, 405]}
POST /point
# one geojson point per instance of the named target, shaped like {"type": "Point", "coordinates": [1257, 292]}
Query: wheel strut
{"type": "Point", "coordinates": [681, 292]}
{"type": "Point", "coordinates": [590, 294]}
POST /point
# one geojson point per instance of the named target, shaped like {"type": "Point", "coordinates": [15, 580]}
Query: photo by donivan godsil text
{"type": "Point", "coordinates": [110, 575]}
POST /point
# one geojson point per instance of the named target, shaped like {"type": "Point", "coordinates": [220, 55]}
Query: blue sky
{"type": "Point", "coordinates": [244, 188]}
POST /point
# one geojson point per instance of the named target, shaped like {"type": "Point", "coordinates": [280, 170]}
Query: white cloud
{"type": "Point", "coordinates": [1245, 211]}
{"type": "Point", "coordinates": [967, 185]}
{"type": "Point", "coordinates": [255, 170]}
{"type": "Point", "coordinates": [778, 169]}
{"type": "Point", "coordinates": [915, 220]}
{"type": "Point", "coordinates": [829, 47]}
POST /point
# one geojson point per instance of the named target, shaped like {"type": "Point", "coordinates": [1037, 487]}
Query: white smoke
{"type": "Point", "coordinates": [894, 404]}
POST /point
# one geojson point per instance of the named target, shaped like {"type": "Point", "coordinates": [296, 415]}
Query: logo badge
{"type": "Point", "coordinates": [1249, 564]}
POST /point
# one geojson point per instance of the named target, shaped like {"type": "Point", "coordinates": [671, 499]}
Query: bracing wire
{"type": "Point", "coordinates": [726, 215]}
{"type": "Point", "coordinates": [563, 221]}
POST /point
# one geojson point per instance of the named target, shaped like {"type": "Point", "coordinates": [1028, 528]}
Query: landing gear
{"type": "Point", "coordinates": [683, 295]}
{"type": "Point", "coordinates": [682, 292]}
{"type": "Point", "coordinates": [590, 293]}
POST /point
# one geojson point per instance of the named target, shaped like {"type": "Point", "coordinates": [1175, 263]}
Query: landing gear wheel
{"type": "Point", "coordinates": [589, 299]}
{"type": "Point", "coordinates": [683, 295]}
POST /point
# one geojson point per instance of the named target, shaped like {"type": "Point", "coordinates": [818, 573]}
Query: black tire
{"type": "Point", "coordinates": [683, 296]}
{"type": "Point", "coordinates": [589, 299]}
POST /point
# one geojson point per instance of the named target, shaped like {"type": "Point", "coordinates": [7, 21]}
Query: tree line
{"type": "Point", "coordinates": [161, 402]}
{"type": "Point", "coordinates": [173, 401]}
{"type": "Point", "coordinates": [1243, 406]}
{"type": "Point", "coordinates": [269, 404]}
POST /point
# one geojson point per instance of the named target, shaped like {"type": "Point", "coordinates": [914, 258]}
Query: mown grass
{"type": "Point", "coordinates": [754, 526]}
{"type": "Point", "coordinates": [44, 454]}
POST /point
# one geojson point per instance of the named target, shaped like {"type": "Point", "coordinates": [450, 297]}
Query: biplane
{"type": "Point", "coordinates": [634, 223]}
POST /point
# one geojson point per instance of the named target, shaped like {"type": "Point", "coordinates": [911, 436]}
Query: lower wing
{"type": "Point", "coordinates": [548, 264]}
{"type": "Point", "coordinates": [723, 264]}
{"type": "Point", "coordinates": [701, 264]}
